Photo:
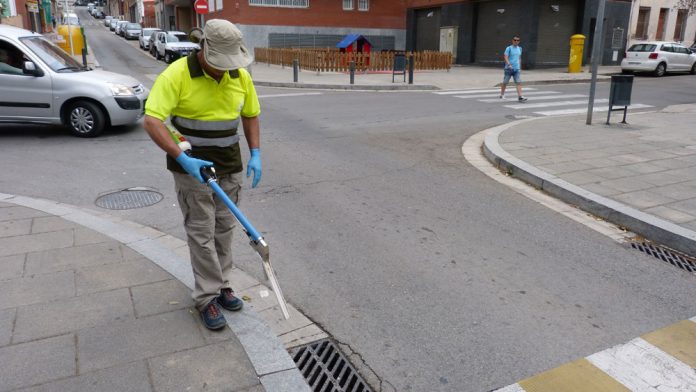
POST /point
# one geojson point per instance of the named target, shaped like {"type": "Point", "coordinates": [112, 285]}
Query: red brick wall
{"type": "Point", "coordinates": [389, 14]}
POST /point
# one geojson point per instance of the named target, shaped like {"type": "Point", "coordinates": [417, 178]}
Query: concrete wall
{"type": "Point", "coordinates": [257, 35]}
{"type": "Point", "coordinates": [655, 6]}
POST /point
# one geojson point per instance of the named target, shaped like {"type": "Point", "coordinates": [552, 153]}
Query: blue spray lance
{"type": "Point", "coordinates": [255, 239]}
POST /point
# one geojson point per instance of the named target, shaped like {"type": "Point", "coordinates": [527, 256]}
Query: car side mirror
{"type": "Point", "coordinates": [31, 69]}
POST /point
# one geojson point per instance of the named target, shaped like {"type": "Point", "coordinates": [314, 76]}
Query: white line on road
{"type": "Point", "coordinates": [642, 367]}
{"type": "Point", "coordinates": [498, 94]}
{"type": "Point", "coordinates": [287, 95]}
{"type": "Point", "coordinates": [511, 388]}
{"type": "Point", "coordinates": [549, 104]}
{"type": "Point", "coordinates": [584, 110]}
{"type": "Point", "coordinates": [487, 90]}
{"type": "Point", "coordinates": [537, 98]}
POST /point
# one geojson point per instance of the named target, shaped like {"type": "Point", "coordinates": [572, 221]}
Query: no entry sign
{"type": "Point", "coordinates": [201, 6]}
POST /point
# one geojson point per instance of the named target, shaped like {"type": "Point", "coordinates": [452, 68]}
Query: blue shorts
{"type": "Point", "coordinates": [514, 74]}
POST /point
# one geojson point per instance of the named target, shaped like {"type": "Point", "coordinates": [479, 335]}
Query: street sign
{"type": "Point", "coordinates": [201, 6]}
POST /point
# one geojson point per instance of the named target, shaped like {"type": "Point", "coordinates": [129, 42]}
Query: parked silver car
{"type": "Point", "coordinates": [658, 57]}
{"type": "Point", "coordinates": [119, 29]}
{"type": "Point", "coordinates": [131, 30]}
{"type": "Point", "coordinates": [171, 45]}
{"type": "Point", "coordinates": [41, 83]}
{"type": "Point", "coordinates": [144, 38]}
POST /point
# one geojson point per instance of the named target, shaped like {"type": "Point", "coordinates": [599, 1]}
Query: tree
{"type": "Point", "coordinates": [687, 4]}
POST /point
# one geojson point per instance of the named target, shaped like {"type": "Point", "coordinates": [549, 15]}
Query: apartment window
{"type": "Point", "coordinates": [281, 3]}
{"type": "Point", "coordinates": [680, 26]}
{"type": "Point", "coordinates": [662, 24]}
{"type": "Point", "coordinates": [347, 4]}
{"type": "Point", "coordinates": [643, 21]}
{"type": "Point", "coordinates": [363, 5]}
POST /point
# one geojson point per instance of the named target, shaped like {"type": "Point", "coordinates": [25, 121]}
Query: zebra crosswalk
{"type": "Point", "coordinates": [557, 102]}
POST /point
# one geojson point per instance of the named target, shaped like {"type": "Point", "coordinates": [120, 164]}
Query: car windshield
{"type": "Point", "coordinates": [52, 55]}
{"type": "Point", "coordinates": [177, 37]}
{"type": "Point", "coordinates": [133, 26]}
{"type": "Point", "coordinates": [149, 32]}
{"type": "Point", "coordinates": [642, 48]}
{"type": "Point", "coordinates": [71, 20]}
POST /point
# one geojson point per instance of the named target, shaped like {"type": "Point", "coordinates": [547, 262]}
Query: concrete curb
{"type": "Point", "coordinates": [319, 86]}
{"type": "Point", "coordinates": [646, 225]}
{"type": "Point", "coordinates": [272, 363]}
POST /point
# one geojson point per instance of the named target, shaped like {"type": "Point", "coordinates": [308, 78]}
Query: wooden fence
{"type": "Point", "coordinates": [331, 60]}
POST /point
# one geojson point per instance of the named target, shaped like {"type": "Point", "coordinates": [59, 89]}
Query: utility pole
{"type": "Point", "coordinates": [596, 56]}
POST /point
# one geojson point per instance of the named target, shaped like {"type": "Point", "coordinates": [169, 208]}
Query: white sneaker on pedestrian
{"type": "Point", "coordinates": [502, 97]}
{"type": "Point", "coordinates": [522, 99]}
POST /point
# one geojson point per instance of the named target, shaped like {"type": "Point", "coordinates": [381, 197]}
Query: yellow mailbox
{"type": "Point", "coordinates": [71, 39]}
{"type": "Point", "coordinates": [577, 44]}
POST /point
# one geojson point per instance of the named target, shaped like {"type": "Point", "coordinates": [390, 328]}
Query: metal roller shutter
{"type": "Point", "coordinates": [497, 22]}
{"type": "Point", "coordinates": [556, 24]}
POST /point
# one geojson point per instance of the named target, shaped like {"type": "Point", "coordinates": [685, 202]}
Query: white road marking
{"type": "Point", "coordinates": [640, 366]}
{"type": "Point", "coordinates": [511, 98]}
{"type": "Point", "coordinates": [549, 104]}
{"type": "Point", "coordinates": [287, 95]}
{"type": "Point", "coordinates": [536, 98]}
{"type": "Point", "coordinates": [584, 110]}
{"type": "Point", "coordinates": [475, 91]}
{"type": "Point", "coordinates": [511, 388]}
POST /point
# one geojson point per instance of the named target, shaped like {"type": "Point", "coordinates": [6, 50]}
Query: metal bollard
{"type": "Point", "coordinates": [84, 57]}
{"type": "Point", "coordinates": [295, 70]}
{"type": "Point", "coordinates": [352, 72]}
{"type": "Point", "coordinates": [411, 65]}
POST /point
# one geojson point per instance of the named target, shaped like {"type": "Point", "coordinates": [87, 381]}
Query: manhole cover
{"type": "Point", "coordinates": [129, 198]}
{"type": "Point", "coordinates": [326, 369]}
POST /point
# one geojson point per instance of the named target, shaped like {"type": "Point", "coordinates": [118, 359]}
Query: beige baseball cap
{"type": "Point", "coordinates": [223, 48]}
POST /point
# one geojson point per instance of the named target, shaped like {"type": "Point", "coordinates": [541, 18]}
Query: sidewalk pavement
{"type": "Point", "coordinates": [458, 77]}
{"type": "Point", "coordinates": [89, 302]}
{"type": "Point", "coordinates": [641, 175]}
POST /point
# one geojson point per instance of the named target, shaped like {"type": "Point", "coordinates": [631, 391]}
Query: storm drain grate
{"type": "Point", "coordinates": [129, 198]}
{"type": "Point", "coordinates": [665, 254]}
{"type": "Point", "coordinates": [326, 369]}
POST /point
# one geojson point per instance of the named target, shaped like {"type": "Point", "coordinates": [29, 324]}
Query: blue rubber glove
{"type": "Point", "coordinates": [193, 165]}
{"type": "Point", "coordinates": [255, 165]}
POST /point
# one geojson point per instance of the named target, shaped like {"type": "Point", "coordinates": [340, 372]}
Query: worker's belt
{"type": "Point", "coordinates": [203, 125]}
{"type": "Point", "coordinates": [213, 142]}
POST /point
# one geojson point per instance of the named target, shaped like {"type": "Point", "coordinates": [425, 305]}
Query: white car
{"type": "Point", "coordinates": [42, 84]}
{"type": "Point", "coordinates": [144, 38]}
{"type": "Point", "coordinates": [171, 45]}
{"type": "Point", "coordinates": [658, 57]}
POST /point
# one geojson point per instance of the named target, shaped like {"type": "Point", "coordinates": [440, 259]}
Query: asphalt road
{"type": "Point", "coordinates": [437, 277]}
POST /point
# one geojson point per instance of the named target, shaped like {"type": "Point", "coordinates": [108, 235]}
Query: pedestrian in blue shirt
{"type": "Point", "coordinates": [512, 56]}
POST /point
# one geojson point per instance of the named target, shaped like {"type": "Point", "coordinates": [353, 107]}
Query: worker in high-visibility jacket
{"type": "Point", "coordinates": [205, 95]}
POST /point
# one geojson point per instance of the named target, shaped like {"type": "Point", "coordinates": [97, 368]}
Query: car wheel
{"type": "Point", "coordinates": [660, 70]}
{"type": "Point", "coordinates": [626, 72]}
{"type": "Point", "coordinates": [693, 69]}
{"type": "Point", "coordinates": [85, 119]}
{"type": "Point", "coordinates": [168, 58]}
{"type": "Point", "coordinates": [157, 55]}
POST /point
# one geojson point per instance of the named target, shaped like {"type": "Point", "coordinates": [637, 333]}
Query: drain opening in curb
{"type": "Point", "coordinates": [326, 369]}
{"type": "Point", "coordinates": [665, 254]}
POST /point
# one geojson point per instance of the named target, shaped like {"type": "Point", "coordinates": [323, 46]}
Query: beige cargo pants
{"type": "Point", "coordinates": [209, 225]}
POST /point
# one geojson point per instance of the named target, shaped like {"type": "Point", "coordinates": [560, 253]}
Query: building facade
{"type": "Point", "coordinates": [478, 31]}
{"type": "Point", "coordinates": [661, 20]}
{"type": "Point", "coordinates": [314, 23]}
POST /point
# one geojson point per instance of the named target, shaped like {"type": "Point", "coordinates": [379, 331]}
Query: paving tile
{"type": "Point", "coordinates": [35, 242]}
{"type": "Point", "coordinates": [7, 317]}
{"type": "Point", "coordinates": [122, 342]}
{"type": "Point", "coordinates": [49, 359]}
{"type": "Point", "coordinates": [601, 190]}
{"type": "Point", "coordinates": [286, 381]}
{"type": "Point", "coordinates": [19, 212]}
{"type": "Point", "coordinates": [566, 167]}
{"type": "Point", "coordinates": [11, 267]}
{"type": "Point", "coordinates": [131, 377]}
{"type": "Point", "coordinates": [612, 173]}
{"type": "Point", "coordinates": [279, 325]}
{"type": "Point", "coordinates": [626, 185]}
{"type": "Point", "coordinates": [643, 199]}
{"type": "Point", "coordinates": [661, 178]}
{"type": "Point", "coordinates": [73, 257]}
{"type": "Point", "coordinates": [218, 367]}
{"type": "Point", "coordinates": [581, 177]}
{"type": "Point", "coordinates": [11, 228]}
{"type": "Point", "coordinates": [36, 289]}
{"type": "Point", "coordinates": [670, 164]}
{"type": "Point", "coordinates": [113, 276]}
{"type": "Point", "coordinates": [51, 223]}
{"type": "Point", "coordinates": [304, 335]}
{"type": "Point", "coordinates": [671, 214]}
{"type": "Point", "coordinates": [72, 314]}
{"type": "Point", "coordinates": [686, 206]}
{"type": "Point", "coordinates": [161, 297]}
{"type": "Point", "coordinates": [681, 191]}
{"type": "Point", "coordinates": [629, 158]}
{"type": "Point", "coordinates": [643, 168]}
{"type": "Point", "coordinates": [85, 236]}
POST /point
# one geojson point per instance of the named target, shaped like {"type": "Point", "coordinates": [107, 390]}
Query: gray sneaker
{"type": "Point", "coordinates": [522, 99]}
